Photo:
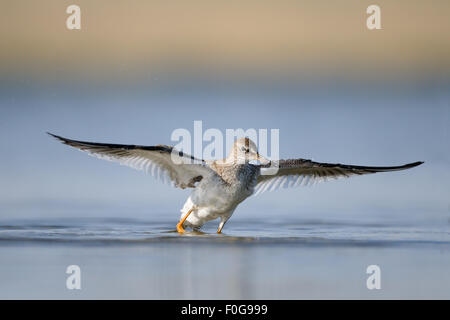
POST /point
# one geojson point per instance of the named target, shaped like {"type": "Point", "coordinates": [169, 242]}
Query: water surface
{"type": "Point", "coordinates": [274, 259]}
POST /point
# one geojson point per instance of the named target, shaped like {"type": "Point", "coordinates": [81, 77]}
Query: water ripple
{"type": "Point", "coordinates": [301, 233]}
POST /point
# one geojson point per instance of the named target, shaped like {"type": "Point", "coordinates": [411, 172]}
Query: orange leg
{"type": "Point", "coordinates": [180, 224]}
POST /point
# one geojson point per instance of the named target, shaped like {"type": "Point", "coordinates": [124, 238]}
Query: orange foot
{"type": "Point", "coordinates": [180, 227]}
{"type": "Point", "coordinates": [180, 224]}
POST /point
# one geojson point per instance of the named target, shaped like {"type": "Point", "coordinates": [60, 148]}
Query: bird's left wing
{"type": "Point", "coordinates": [296, 172]}
{"type": "Point", "coordinates": [161, 161]}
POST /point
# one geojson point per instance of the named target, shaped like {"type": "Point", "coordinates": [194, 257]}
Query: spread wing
{"type": "Point", "coordinates": [296, 172]}
{"type": "Point", "coordinates": [161, 161]}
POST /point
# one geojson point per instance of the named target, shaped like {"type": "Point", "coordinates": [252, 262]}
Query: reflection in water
{"type": "Point", "coordinates": [294, 232]}
{"type": "Point", "coordinates": [136, 259]}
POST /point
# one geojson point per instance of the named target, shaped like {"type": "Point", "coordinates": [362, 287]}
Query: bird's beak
{"type": "Point", "coordinates": [261, 159]}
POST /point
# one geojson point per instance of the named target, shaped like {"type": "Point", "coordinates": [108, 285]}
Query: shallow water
{"type": "Point", "coordinates": [303, 232]}
{"type": "Point", "coordinates": [128, 258]}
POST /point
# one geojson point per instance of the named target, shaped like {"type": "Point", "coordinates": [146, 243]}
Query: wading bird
{"type": "Point", "coordinates": [220, 186]}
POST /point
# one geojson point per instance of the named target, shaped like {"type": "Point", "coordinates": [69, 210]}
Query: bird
{"type": "Point", "coordinates": [219, 186]}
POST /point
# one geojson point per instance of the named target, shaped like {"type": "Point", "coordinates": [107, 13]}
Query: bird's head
{"type": "Point", "coordinates": [245, 150]}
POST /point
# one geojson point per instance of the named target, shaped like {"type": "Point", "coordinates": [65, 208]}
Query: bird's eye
{"type": "Point", "coordinates": [244, 149]}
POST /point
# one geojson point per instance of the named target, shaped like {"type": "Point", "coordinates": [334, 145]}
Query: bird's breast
{"type": "Point", "coordinates": [224, 191]}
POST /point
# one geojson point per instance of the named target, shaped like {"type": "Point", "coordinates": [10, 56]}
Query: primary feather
{"type": "Point", "coordinates": [161, 161]}
{"type": "Point", "coordinates": [296, 172]}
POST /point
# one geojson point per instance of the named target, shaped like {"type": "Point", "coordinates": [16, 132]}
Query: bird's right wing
{"type": "Point", "coordinates": [296, 172]}
{"type": "Point", "coordinates": [161, 161]}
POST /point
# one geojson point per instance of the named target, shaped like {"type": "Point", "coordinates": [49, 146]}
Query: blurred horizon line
{"type": "Point", "coordinates": [292, 84]}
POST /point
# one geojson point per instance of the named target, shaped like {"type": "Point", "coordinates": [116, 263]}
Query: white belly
{"type": "Point", "coordinates": [211, 201]}
{"type": "Point", "coordinates": [199, 216]}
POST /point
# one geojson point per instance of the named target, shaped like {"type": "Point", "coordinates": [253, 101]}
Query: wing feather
{"type": "Point", "coordinates": [157, 160]}
{"type": "Point", "coordinates": [296, 172]}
